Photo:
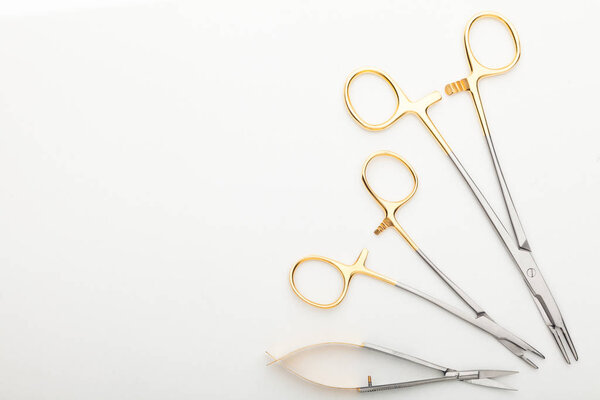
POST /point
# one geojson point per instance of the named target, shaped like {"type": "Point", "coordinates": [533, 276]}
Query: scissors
{"type": "Point", "coordinates": [518, 248]}
{"type": "Point", "coordinates": [481, 319]}
{"type": "Point", "coordinates": [483, 377]}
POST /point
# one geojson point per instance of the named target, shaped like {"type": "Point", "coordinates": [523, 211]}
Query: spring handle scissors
{"type": "Point", "coordinates": [481, 319]}
{"type": "Point", "coordinates": [518, 248]}
{"type": "Point", "coordinates": [483, 377]}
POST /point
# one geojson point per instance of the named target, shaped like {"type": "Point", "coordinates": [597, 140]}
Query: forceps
{"type": "Point", "coordinates": [481, 319]}
{"type": "Point", "coordinates": [519, 249]}
{"type": "Point", "coordinates": [390, 208]}
{"type": "Point", "coordinates": [484, 377]}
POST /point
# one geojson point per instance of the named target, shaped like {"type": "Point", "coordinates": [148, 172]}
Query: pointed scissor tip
{"type": "Point", "coordinates": [536, 351]}
{"type": "Point", "coordinates": [559, 343]}
{"type": "Point", "coordinates": [273, 359]}
{"type": "Point", "coordinates": [518, 347]}
{"type": "Point", "coordinates": [528, 361]}
{"type": "Point", "coordinates": [567, 337]}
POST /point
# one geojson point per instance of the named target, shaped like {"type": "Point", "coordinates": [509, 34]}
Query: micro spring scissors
{"type": "Point", "coordinates": [485, 377]}
{"type": "Point", "coordinates": [481, 320]}
{"type": "Point", "coordinates": [520, 251]}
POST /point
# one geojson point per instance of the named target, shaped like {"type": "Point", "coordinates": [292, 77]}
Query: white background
{"type": "Point", "coordinates": [164, 164]}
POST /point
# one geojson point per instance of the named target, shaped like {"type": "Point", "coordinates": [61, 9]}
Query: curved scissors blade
{"type": "Point", "coordinates": [487, 376]}
{"type": "Point", "coordinates": [490, 383]}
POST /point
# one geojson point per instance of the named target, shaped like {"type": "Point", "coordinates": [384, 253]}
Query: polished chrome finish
{"type": "Point", "coordinates": [399, 385]}
{"type": "Point", "coordinates": [347, 272]}
{"type": "Point", "coordinates": [529, 270]}
{"type": "Point", "coordinates": [484, 377]}
{"type": "Point", "coordinates": [404, 356]}
{"type": "Point", "coordinates": [515, 221]}
{"type": "Point", "coordinates": [518, 245]}
{"type": "Point", "coordinates": [390, 220]}
{"type": "Point", "coordinates": [461, 293]}
{"type": "Point", "coordinates": [539, 290]}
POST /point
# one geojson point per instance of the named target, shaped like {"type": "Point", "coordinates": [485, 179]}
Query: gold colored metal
{"type": "Point", "coordinates": [390, 207]}
{"type": "Point", "coordinates": [403, 106]}
{"type": "Point", "coordinates": [457, 86]}
{"type": "Point", "coordinates": [471, 84]}
{"type": "Point", "coordinates": [478, 70]}
{"type": "Point", "coordinates": [347, 272]}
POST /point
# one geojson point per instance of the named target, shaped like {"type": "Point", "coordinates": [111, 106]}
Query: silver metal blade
{"type": "Point", "coordinates": [489, 383]}
{"type": "Point", "coordinates": [495, 373]}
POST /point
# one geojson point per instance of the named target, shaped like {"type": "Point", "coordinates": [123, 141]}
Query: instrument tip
{"type": "Point", "coordinates": [273, 359]}
{"type": "Point", "coordinates": [536, 352]}
{"type": "Point", "coordinates": [570, 343]}
{"type": "Point", "coordinates": [559, 341]}
{"type": "Point", "coordinates": [528, 361]}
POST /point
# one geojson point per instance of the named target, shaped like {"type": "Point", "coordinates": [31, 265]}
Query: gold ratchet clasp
{"type": "Point", "coordinates": [390, 207]}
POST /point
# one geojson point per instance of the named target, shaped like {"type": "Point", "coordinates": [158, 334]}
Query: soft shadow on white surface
{"type": "Point", "coordinates": [163, 165]}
